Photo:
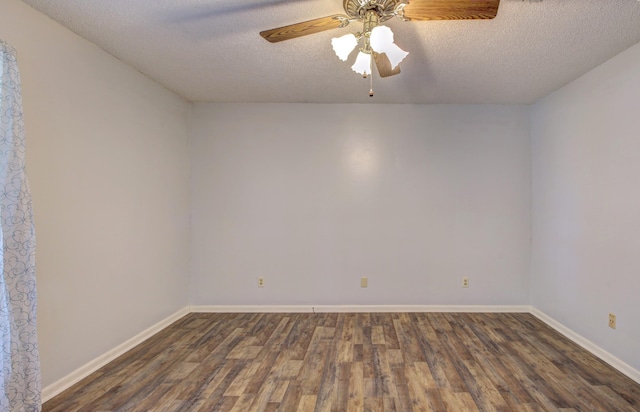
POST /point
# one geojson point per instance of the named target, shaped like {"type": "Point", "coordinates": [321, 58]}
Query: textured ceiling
{"type": "Point", "coordinates": [210, 50]}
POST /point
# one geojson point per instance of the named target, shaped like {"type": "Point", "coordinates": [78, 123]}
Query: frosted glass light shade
{"type": "Point", "coordinates": [362, 64]}
{"type": "Point", "coordinates": [381, 38]}
{"type": "Point", "coordinates": [382, 42]}
{"type": "Point", "coordinates": [343, 46]}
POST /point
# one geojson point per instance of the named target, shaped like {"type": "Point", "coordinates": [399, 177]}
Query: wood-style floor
{"type": "Point", "coordinates": [354, 362]}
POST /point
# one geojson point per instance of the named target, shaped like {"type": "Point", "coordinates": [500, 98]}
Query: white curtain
{"type": "Point", "coordinates": [20, 374]}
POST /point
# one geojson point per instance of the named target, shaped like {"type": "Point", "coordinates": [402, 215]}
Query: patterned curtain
{"type": "Point", "coordinates": [20, 373]}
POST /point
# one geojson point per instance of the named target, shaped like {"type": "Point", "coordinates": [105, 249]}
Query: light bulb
{"type": "Point", "coordinates": [343, 46]}
{"type": "Point", "coordinates": [382, 42]}
{"type": "Point", "coordinates": [362, 64]}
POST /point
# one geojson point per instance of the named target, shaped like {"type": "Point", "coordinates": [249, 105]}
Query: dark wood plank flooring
{"type": "Point", "coordinates": [354, 362]}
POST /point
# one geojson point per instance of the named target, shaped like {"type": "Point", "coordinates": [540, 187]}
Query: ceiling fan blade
{"type": "Point", "coordinates": [384, 65]}
{"type": "Point", "coordinates": [451, 9]}
{"type": "Point", "coordinates": [302, 29]}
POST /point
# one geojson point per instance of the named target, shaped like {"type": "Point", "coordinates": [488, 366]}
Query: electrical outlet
{"type": "Point", "coordinates": [612, 321]}
{"type": "Point", "coordinates": [465, 282]}
{"type": "Point", "coordinates": [260, 282]}
{"type": "Point", "coordinates": [364, 282]}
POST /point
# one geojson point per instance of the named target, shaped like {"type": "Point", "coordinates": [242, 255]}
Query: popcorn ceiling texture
{"type": "Point", "coordinates": [210, 51]}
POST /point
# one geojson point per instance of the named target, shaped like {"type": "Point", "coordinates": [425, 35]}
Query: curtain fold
{"type": "Point", "coordinates": [19, 359]}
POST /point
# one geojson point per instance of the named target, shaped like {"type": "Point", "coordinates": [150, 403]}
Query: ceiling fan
{"type": "Point", "coordinates": [378, 40]}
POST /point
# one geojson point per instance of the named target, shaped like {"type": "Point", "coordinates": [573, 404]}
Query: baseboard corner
{"type": "Point", "coordinates": [585, 343]}
{"type": "Point", "coordinates": [74, 377]}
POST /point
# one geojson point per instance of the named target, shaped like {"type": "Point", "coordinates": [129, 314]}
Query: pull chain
{"type": "Point", "coordinates": [371, 79]}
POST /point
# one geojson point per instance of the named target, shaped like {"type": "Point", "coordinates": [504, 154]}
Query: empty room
{"type": "Point", "coordinates": [328, 205]}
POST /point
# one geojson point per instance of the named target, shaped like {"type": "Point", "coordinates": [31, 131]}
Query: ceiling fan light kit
{"type": "Point", "coordinates": [378, 40]}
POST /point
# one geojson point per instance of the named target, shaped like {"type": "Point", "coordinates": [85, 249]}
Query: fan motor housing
{"type": "Point", "coordinates": [357, 9]}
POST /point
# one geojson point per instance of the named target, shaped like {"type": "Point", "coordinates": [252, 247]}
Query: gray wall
{"type": "Point", "coordinates": [107, 159]}
{"type": "Point", "coordinates": [313, 197]}
{"type": "Point", "coordinates": [586, 205]}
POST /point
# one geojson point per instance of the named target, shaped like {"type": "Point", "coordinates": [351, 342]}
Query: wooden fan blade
{"type": "Point", "coordinates": [451, 9]}
{"type": "Point", "coordinates": [302, 29]}
{"type": "Point", "coordinates": [384, 65]}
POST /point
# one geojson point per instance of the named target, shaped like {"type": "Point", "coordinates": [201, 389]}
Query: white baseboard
{"type": "Point", "coordinates": [82, 372]}
{"type": "Point", "coordinates": [357, 308]}
{"type": "Point", "coordinates": [417, 308]}
{"type": "Point", "coordinates": [85, 370]}
{"type": "Point", "coordinates": [251, 309]}
{"type": "Point", "coordinates": [588, 345]}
